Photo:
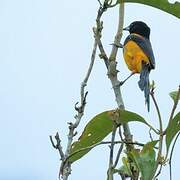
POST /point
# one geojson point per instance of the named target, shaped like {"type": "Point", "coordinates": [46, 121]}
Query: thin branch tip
{"type": "Point", "coordinates": [119, 45]}
{"type": "Point", "coordinates": [57, 136]}
{"type": "Point", "coordinates": [52, 142]}
{"type": "Point", "coordinates": [84, 100]}
{"type": "Point", "coordinates": [75, 133]}
{"type": "Point", "coordinates": [99, 2]}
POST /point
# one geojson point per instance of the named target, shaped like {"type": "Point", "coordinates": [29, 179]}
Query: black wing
{"type": "Point", "coordinates": [145, 45]}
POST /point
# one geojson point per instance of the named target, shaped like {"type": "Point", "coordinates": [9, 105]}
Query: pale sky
{"type": "Point", "coordinates": [45, 49]}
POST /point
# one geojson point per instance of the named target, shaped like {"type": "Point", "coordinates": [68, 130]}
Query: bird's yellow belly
{"type": "Point", "coordinates": [134, 56]}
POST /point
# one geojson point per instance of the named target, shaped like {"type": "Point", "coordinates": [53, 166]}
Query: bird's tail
{"type": "Point", "coordinates": [144, 83]}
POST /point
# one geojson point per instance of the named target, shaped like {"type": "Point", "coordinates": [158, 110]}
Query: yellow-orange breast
{"type": "Point", "coordinates": [134, 56]}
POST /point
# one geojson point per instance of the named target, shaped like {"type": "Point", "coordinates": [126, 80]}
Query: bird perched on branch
{"type": "Point", "coordinates": [138, 55]}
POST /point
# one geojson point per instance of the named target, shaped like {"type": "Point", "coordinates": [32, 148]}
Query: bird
{"type": "Point", "coordinates": [139, 56]}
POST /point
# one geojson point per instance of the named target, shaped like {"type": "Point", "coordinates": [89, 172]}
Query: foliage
{"type": "Point", "coordinates": [172, 130]}
{"type": "Point", "coordinates": [102, 124]}
{"type": "Point", "coordinates": [98, 128]}
{"type": "Point", "coordinates": [145, 160]}
{"type": "Point", "coordinates": [164, 5]}
{"type": "Point", "coordinates": [95, 131]}
{"type": "Point", "coordinates": [174, 95]}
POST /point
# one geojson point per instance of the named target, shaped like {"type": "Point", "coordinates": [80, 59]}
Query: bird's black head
{"type": "Point", "coordinates": [139, 27]}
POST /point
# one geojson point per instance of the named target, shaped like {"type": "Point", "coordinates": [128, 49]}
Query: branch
{"type": "Point", "coordinates": [113, 5]}
{"type": "Point", "coordinates": [84, 83]}
{"type": "Point", "coordinates": [152, 128]}
{"type": "Point", "coordinates": [157, 109]}
{"type": "Point", "coordinates": [118, 36]}
{"type": "Point", "coordinates": [110, 62]}
{"type": "Point", "coordinates": [159, 172]}
{"type": "Point", "coordinates": [110, 169]}
{"type": "Point", "coordinates": [58, 145]}
{"type": "Point", "coordinates": [120, 149]}
{"type": "Point", "coordinates": [161, 134]}
{"type": "Point", "coordinates": [112, 74]}
{"type": "Point", "coordinates": [150, 135]}
{"type": "Point", "coordinates": [65, 168]}
{"type": "Point", "coordinates": [160, 122]}
{"type": "Point", "coordinates": [97, 33]}
{"type": "Point", "coordinates": [118, 155]}
{"type": "Point", "coordinates": [112, 71]}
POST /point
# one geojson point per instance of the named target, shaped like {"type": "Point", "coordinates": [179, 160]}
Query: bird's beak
{"type": "Point", "coordinates": [126, 28]}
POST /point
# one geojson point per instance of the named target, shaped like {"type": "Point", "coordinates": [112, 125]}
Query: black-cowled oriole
{"type": "Point", "coordinates": [138, 55]}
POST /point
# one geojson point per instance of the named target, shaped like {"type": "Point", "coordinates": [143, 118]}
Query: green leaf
{"type": "Point", "coordinates": [95, 131]}
{"type": "Point", "coordinates": [150, 145]}
{"type": "Point", "coordinates": [98, 128]}
{"type": "Point", "coordinates": [172, 129]}
{"type": "Point", "coordinates": [128, 116]}
{"type": "Point", "coordinates": [125, 168]}
{"type": "Point", "coordinates": [145, 160]}
{"type": "Point", "coordinates": [164, 5]}
{"type": "Point", "coordinates": [174, 95]}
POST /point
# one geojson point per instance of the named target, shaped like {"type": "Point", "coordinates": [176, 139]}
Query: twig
{"type": "Point", "coordinates": [152, 128]}
{"type": "Point", "coordinates": [161, 134]}
{"type": "Point", "coordinates": [58, 145]}
{"type": "Point", "coordinates": [157, 109]}
{"type": "Point", "coordinates": [113, 5]}
{"type": "Point", "coordinates": [66, 167]}
{"type": "Point", "coordinates": [160, 122]}
{"type": "Point", "coordinates": [52, 142]}
{"type": "Point", "coordinates": [110, 169]}
{"type": "Point", "coordinates": [112, 145]}
{"type": "Point", "coordinates": [97, 32]}
{"type": "Point", "coordinates": [171, 154]}
{"type": "Point", "coordinates": [119, 32]}
{"type": "Point", "coordinates": [84, 83]}
{"type": "Point", "coordinates": [120, 134]}
{"type": "Point", "coordinates": [159, 172]}
{"type": "Point", "coordinates": [103, 53]}
{"type": "Point", "coordinates": [118, 155]}
{"type": "Point", "coordinates": [150, 135]}
{"type": "Point", "coordinates": [100, 3]}
{"type": "Point", "coordinates": [120, 149]}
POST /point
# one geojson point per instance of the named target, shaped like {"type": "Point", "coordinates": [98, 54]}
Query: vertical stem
{"type": "Point", "coordinates": [112, 68]}
{"type": "Point", "coordinates": [158, 112]}
{"type": "Point", "coordinates": [119, 32]}
{"type": "Point", "coordinates": [112, 74]}
{"type": "Point", "coordinates": [161, 134]}
{"type": "Point", "coordinates": [110, 169]}
{"type": "Point", "coordinates": [111, 64]}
